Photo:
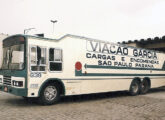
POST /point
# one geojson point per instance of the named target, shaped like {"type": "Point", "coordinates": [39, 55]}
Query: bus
{"type": "Point", "coordinates": [47, 69]}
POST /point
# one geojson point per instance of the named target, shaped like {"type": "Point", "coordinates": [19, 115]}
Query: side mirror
{"type": "Point", "coordinates": [38, 55]}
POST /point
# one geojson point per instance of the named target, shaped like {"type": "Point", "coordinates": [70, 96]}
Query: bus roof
{"type": "Point", "coordinates": [76, 36]}
{"type": "Point", "coordinates": [67, 35]}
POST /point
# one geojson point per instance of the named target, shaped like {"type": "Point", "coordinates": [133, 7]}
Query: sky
{"type": "Point", "coordinates": [109, 20]}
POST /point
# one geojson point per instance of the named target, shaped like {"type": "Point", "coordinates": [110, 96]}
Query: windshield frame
{"type": "Point", "coordinates": [25, 43]}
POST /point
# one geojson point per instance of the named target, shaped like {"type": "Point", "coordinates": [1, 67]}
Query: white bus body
{"type": "Point", "coordinates": [77, 65]}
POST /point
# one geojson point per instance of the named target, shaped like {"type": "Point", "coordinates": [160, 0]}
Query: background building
{"type": "Point", "coordinates": [157, 43]}
{"type": "Point", "coordinates": [2, 36]}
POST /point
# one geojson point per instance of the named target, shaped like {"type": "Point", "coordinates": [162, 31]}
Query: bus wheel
{"type": "Point", "coordinates": [145, 86]}
{"type": "Point", "coordinates": [50, 94]}
{"type": "Point", "coordinates": [135, 87]}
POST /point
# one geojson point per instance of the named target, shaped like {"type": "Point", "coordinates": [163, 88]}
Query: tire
{"type": "Point", "coordinates": [50, 94]}
{"type": "Point", "coordinates": [134, 87]}
{"type": "Point", "coordinates": [145, 86]}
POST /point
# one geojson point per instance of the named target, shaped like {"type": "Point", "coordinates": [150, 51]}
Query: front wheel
{"type": "Point", "coordinates": [50, 94]}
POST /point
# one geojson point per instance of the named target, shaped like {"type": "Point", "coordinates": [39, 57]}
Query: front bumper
{"type": "Point", "coordinates": [13, 90]}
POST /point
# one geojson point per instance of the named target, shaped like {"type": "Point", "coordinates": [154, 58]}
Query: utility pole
{"type": "Point", "coordinates": [27, 30]}
{"type": "Point", "coordinates": [53, 21]}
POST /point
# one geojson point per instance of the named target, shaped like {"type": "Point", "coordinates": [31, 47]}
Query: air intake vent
{"type": "Point", "coordinates": [7, 80]}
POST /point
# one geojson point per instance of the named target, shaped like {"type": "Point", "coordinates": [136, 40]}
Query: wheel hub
{"type": "Point", "coordinates": [135, 87]}
{"type": "Point", "coordinates": [50, 93]}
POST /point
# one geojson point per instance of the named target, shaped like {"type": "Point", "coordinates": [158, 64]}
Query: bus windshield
{"type": "Point", "coordinates": [13, 53]}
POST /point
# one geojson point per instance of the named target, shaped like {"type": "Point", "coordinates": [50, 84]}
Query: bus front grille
{"type": "Point", "coordinates": [7, 80]}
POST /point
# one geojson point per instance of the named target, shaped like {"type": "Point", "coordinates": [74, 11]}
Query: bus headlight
{"type": "Point", "coordinates": [0, 80]}
{"type": "Point", "coordinates": [17, 83]}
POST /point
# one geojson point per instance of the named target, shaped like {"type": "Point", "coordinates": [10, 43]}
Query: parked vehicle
{"type": "Point", "coordinates": [73, 65]}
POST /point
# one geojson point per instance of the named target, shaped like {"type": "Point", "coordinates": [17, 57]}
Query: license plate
{"type": "Point", "coordinates": [5, 89]}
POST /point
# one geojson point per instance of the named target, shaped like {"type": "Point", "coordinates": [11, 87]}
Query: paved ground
{"type": "Point", "coordinates": [109, 106]}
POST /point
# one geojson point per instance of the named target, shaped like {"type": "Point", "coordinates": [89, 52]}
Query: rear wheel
{"type": "Point", "coordinates": [50, 94]}
{"type": "Point", "coordinates": [135, 87]}
{"type": "Point", "coordinates": [145, 86]}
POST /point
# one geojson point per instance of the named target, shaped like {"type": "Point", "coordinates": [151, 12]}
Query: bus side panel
{"type": "Point", "coordinates": [157, 82]}
{"type": "Point", "coordinates": [93, 79]}
{"type": "Point", "coordinates": [97, 86]}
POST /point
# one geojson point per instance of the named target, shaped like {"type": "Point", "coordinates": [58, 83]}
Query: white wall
{"type": "Point", "coordinates": [2, 36]}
